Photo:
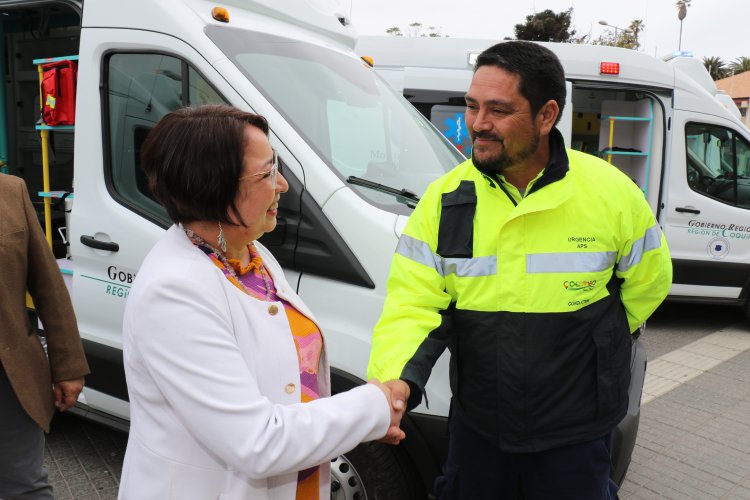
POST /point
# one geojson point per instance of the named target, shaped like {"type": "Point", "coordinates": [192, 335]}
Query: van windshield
{"type": "Point", "coordinates": [355, 122]}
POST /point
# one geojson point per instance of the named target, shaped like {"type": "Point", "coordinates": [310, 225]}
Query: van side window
{"type": "Point", "coordinates": [718, 163]}
{"type": "Point", "coordinates": [140, 89]}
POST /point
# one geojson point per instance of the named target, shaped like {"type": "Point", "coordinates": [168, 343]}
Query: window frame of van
{"type": "Point", "coordinates": [707, 168]}
{"type": "Point", "coordinates": [151, 210]}
{"type": "Point", "coordinates": [297, 209]}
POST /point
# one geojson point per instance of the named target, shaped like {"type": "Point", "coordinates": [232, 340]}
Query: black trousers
{"type": "Point", "coordinates": [22, 472]}
{"type": "Point", "coordinates": [477, 470]}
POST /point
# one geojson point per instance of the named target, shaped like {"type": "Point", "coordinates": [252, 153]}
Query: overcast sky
{"type": "Point", "coordinates": [718, 28]}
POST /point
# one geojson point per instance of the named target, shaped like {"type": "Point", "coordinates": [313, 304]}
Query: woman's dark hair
{"type": "Point", "coordinates": [541, 76]}
{"type": "Point", "coordinates": [193, 159]}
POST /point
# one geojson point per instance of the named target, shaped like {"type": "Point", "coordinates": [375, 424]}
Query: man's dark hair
{"type": "Point", "coordinates": [541, 76]}
{"type": "Point", "coordinates": [193, 159]}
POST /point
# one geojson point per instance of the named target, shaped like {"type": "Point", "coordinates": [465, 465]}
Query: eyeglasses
{"type": "Point", "coordinates": [275, 169]}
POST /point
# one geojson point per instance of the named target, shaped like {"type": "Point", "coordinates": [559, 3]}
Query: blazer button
{"type": "Point", "coordinates": [273, 309]}
{"type": "Point", "coordinates": [289, 388]}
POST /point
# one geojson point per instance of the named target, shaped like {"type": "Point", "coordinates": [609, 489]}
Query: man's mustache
{"type": "Point", "coordinates": [489, 136]}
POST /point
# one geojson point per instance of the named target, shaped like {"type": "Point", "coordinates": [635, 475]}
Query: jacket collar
{"type": "Point", "coordinates": [557, 166]}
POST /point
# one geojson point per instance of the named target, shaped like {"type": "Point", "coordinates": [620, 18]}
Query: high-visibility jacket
{"type": "Point", "coordinates": [536, 298]}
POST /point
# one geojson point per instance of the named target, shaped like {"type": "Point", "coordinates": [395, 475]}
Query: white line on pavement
{"type": "Point", "coordinates": [677, 367]}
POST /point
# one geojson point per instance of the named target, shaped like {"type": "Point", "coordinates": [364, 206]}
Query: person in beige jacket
{"type": "Point", "coordinates": [32, 384]}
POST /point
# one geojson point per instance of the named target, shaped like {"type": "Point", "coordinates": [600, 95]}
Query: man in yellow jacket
{"type": "Point", "coordinates": [534, 265]}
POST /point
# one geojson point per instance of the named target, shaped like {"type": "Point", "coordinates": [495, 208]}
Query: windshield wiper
{"type": "Point", "coordinates": [402, 195]}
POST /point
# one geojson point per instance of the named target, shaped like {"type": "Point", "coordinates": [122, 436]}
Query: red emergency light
{"type": "Point", "coordinates": [609, 68]}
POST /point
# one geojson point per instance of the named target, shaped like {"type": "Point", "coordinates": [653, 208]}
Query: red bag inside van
{"type": "Point", "coordinates": [59, 92]}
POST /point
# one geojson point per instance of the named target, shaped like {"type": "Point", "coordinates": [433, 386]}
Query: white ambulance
{"type": "Point", "coordinates": [663, 122]}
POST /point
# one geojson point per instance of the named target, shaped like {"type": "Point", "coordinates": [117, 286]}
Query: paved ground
{"type": "Point", "coordinates": [84, 460]}
{"type": "Point", "coordinates": [694, 438]}
{"type": "Point", "coordinates": [693, 441]}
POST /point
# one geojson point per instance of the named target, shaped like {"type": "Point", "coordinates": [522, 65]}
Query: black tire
{"type": "Point", "coordinates": [373, 471]}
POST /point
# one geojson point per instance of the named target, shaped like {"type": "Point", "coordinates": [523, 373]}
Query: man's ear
{"type": "Point", "coordinates": [547, 116]}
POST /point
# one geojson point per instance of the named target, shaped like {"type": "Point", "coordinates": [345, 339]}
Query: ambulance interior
{"type": "Point", "coordinates": [625, 128]}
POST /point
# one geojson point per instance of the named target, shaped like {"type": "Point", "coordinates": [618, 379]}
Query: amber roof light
{"type": "Point", "coordinates": [220, 14]}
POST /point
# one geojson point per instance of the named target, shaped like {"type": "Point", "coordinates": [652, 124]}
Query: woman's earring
{"type": "Point", "coordinates": [221, 240]}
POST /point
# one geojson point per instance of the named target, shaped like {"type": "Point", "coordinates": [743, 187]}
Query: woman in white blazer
{"type": "Point", "coordinates": [226, 369]}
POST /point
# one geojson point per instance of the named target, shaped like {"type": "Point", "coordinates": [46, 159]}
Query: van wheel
{"type": "Point", "coordinates": [371, 471]}
{"type": "Point", "coordinates": [747, 308]}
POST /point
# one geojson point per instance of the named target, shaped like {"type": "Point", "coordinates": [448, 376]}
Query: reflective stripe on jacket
{"type": "Point", "coordinates": [535, 300]}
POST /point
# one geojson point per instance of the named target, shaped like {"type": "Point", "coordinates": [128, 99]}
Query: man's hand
{"type": "Point", "coordinates": [397, 392]}
{"type": "Point", "coordinates": [66, 393]}
{"type": "Point", "coordinates": [400, 391]}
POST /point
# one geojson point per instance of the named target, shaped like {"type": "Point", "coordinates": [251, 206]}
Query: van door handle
{"type": "Point", "coordinates": [685, 210]}
{"type": "Point", "coordinates": [90, 241]}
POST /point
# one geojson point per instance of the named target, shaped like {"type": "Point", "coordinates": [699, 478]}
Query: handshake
{"type": "Point", "coordinates": [397, 392]}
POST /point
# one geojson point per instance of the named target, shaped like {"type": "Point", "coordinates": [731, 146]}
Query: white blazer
{"type": "Point", "coordinates": [214, 388]}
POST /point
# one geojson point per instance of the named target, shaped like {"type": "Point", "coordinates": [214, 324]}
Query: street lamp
{"type": "Point", "coordinates": [624, 30]}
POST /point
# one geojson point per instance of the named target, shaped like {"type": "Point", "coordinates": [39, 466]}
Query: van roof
{"type": "Point", "coordinates": [321, 19]}
{"type": "Point", "coordinates": [581, 62]}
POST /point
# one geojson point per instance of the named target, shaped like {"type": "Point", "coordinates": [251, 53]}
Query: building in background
{"type": "Point", "coordinates": [738, 88]}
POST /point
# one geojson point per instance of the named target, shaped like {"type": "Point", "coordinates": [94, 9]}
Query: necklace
{"type": "Point", "coordinates": [227, 267]}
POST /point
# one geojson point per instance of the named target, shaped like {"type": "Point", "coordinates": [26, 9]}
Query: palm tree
{"type": "Point", "coordinates": [716, 67]}
{"type": "Point", "coordinates": [682, 6]}
{"type": "Point", "coordinates": [740, 65]}
{"type": "Point", "coordinates": [636, 26]}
